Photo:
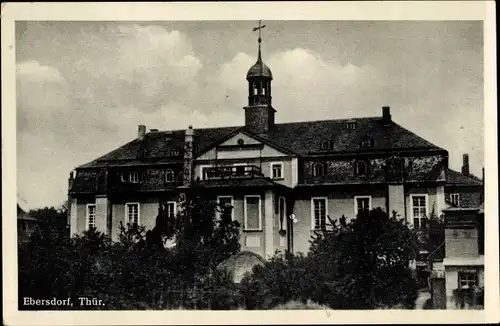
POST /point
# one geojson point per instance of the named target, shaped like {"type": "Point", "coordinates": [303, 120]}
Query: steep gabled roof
{"type": "Point", "coordinates": [302, 138]}
{"type": "Point", "coordinates": [457, 178]}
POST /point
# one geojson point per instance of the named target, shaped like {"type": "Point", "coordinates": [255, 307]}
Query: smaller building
{"type": "Point", "coordinates": [26, 224]}
{"type": "Point", "coordinates": [458, 280]}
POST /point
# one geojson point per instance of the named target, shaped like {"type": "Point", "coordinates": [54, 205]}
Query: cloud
{"type": "Point", "coordinates": [86, 93]}
{"type": "Point", "coordinates": [305, 86]}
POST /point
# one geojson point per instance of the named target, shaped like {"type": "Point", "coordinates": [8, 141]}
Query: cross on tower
{"type": "Point", "coordinates": [259, 29]}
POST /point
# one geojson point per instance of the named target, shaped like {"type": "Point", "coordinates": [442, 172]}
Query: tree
{"type": "Point", "coordinates": [51, 217]}
{"type": "Point", "coordinates": [364, 263]}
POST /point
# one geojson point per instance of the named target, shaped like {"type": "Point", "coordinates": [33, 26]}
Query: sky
{"type": "Point", "coordinates": [82, 88]}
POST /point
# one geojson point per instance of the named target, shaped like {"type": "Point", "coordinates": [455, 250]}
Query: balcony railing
{"type": "Point", "coordinates": [230, 172]}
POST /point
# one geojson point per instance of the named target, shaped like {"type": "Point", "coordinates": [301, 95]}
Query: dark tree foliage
{"type": "Point", "coordinates": [363, 263]}
{"type": "Point", "coordinates": [138, 271]}
{"type": "Point", "coordinates": [51, 217]}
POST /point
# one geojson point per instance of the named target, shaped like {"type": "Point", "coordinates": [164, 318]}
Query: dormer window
{"type": "Point", "coordinates": [141, 153]}
{"type": "Point", "coordinates": [132, 177]}
{"type": "Point", "coordinates": [169, 176]}
{"type": "Point", "coordinates": [168, 136]}
{"type": "Point", "coordinates": [366, 142]}
{"type": "Point", "coordinates": [361, 168]}
{"type": "Point", "coordinates": [174, 152]}
{"type": "Point", "coordinates": [350, 125]}
{"type": "Point", "coordinates": [318, 169]}
{"type": "Point", "coordinates": [325, 144]}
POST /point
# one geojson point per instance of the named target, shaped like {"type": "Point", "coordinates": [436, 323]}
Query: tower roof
{"type": "Point", "coordinates": [259, 69]}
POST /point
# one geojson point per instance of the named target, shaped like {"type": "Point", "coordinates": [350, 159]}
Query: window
{"type": "Point", "coordinates": [361, 168]}
{"type": "Point", "coordinates": [132, 213]}
{"type": "Point", "coordinates": [325, 144]}
{"type": "Point", "coordinates": [282, 212]}
{"type": "Point", "coordinates": [253, 213]}
{"type": "Point", "coordinates": [467, 280]}
{"type": "Point", "coordinates": [169, 175]}
{"type": "Point", "coordinates": [91, 216]}
{"type": "Point", "coordinates": [419, 210]}
{"type": "Point", "coordinates": [241, 142]}
{"type": "Point", "coordinates": [132, 177]}
{"type": "Point", "coordinates": [455, 199]}
{"type": "Point", "coordinates": [225, 202]}
{"type": "Point", "coordinates": [171, 208]}
{"type": "Point", "coordinates": [239, 169]}
{"type": "Point", "coordinates": [141, 153]}
{"type": "Point", "coordinates": [351, 125]}
{"type": "Point", "coordinates": [174, 152]}
{"type": "Point", "coordinates": [255, 91]}
{"type": "Point", "coordinates": [362, 203]}
{"type": "Point", "coordinates": [318, 170]}
{"type": "Point", "coordinates": [277, 170]}
{"type": "Point", "coordinates": [366, 142]}
{"type": "Point", "coordinates": [207, 172]}
{"type": "Point", "coordinates": [319, 212]}
{"type": "Point", "coordinates": [263, 91]}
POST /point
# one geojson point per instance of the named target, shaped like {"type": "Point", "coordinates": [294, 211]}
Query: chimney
{"type": "Point", "coordinates": [465, 165]}
{"type": "Point", "coordinates": [71, 179]}
{"type": "Point", "coordinates": [386, 115]}
{"type": "Point", "coordinates": [188, 156]}
{"type": "Point", "coordinates": [141, 132]}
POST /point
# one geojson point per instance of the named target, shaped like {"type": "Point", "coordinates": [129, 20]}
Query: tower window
{"type": "Point", "coordinates": [255, 91]}
{"type": "Point", "coordinates": [263, 92]}
{"type": "Point", "coordinates": [318, 169]}
{"type": "Point", "coordinates": [361, 168]}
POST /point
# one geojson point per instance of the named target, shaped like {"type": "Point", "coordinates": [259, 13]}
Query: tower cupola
{"type": "Point", "coordinates": [259, 114]}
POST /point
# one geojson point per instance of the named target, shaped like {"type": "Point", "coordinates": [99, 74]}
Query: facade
{"type": "Point", "coordinates": [266, 171]}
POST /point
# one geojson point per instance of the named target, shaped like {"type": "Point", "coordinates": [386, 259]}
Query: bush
{"type": "Point", "coordinates": [360, 264]}
{"type": "Point", "coordinates": [137, 272]}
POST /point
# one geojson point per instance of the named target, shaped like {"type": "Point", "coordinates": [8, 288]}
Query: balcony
{"type": "Point", "coordinates": [232, 172]}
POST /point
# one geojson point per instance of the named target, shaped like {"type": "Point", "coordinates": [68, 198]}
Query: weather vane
{"type": "Point", "coordinates": [259, 29]}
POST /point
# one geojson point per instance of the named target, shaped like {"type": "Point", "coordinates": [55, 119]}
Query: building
{"type": "Point", "coordinates": [457, 281]}
{"type": "Point", "coordinates": [266, 171]}
{"type": "Point", "coordinates": [457, 264]}
{"type": "Point", "coordinates": [26, 224]}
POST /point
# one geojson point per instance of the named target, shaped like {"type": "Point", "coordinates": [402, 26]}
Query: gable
{"type": "Point", "coordinates": [241, 145]}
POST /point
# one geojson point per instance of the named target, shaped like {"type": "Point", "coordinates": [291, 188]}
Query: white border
{"type": "Point", "coordinates": [245, 227]}
{"type": "Point", "coordinates": [313, 220]}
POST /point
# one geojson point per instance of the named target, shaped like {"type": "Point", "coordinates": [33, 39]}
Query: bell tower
{"type": "Point", "coordinates": [259, 113]}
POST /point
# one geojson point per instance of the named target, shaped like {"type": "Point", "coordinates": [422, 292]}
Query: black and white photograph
{"type": "Point", "coordinates": [254, 163]}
